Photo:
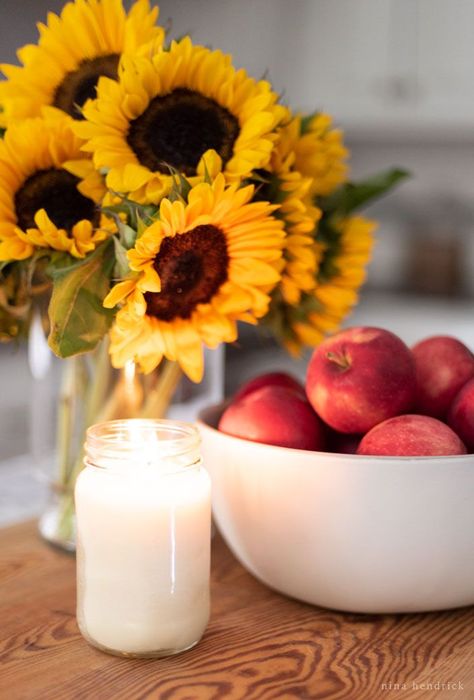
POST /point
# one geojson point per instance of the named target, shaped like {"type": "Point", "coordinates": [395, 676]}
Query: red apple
{"type": "Point", "coordinates": [271, 379]}
{"type": "Point", "coordinates": [276, 416]}
{"type": "Point", "coordinates": [411, 436]}
{"type": "Point", "coordinates": [361, 377]}
{"type": "Point", "coordinates": [461, 414]}
{"type": "Point", "coordinates": [443, 366]}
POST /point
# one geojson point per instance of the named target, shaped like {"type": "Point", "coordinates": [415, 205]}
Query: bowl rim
{"type": "Point", "coordinates": [438, 459]}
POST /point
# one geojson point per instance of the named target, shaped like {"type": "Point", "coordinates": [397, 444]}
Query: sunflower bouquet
{"type": "Point", "coordinates": [154, 194]}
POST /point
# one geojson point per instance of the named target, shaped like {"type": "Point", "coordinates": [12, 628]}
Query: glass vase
{"type": "Point", "coordinates": [70, 395]}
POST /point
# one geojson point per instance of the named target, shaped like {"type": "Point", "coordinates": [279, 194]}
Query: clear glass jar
{"type": "Point", "coordinates": [143, 538]}
{"type": "Point", "coordinates": [69, 395]}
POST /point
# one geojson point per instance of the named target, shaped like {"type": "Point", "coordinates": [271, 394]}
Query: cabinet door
{"type": "Point", "coordinates": [446, 60]}
{"type": "Point", "coordinates": [383, 67]}
{"type": "Point", "coordinates": [336, 53]}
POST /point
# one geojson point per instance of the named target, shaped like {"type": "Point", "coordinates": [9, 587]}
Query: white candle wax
{"type": "Point", "coordinates": [143, 557]}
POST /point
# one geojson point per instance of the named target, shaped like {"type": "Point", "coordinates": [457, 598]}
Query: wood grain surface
{"type": "Point", "coordinates": [259, 645]}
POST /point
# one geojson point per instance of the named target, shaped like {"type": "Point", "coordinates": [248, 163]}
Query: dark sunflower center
{"type": "Point", "coordinates": [79, 85]}
{"type": "Point", "coordinates": [56, 191]}
{"type": "Point", "coordinates": [192, 266]}
{"type": "Point", "coordinates": [176, 129]}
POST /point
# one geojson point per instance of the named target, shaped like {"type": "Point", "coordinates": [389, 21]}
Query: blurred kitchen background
{"type": "Point", "coordinates": [398, 77]}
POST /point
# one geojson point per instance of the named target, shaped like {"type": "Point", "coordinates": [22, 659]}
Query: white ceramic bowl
{"type": "Point", "coordinates": [364, 534]}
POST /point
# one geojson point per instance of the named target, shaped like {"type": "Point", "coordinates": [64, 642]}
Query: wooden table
{"type": "Point", "coordinates": [259, 644]}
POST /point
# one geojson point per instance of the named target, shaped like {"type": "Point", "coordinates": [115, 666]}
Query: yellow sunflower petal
{"type": "Point", "coordinates": [43, 197]}
{"type": "Point", "coordinates": [205, 286]}
{"type": "Point", "coordinates": [15, 249]}
{"type": "Point", "coordinates": [74, 49]}
{"type": "Point", "coordinates": [320, 154]}
{"type": "Point", "coordinates": [323, 308]}
{"type": "Point", "coordinates": [149, 90]}
{"type": "Point", "coordinates": [118, 293]}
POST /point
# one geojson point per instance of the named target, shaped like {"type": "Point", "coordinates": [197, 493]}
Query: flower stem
{"type": "Point", "coordinates": [91, 386]}
{"type": "Point", "coordinates": [66, 415]}
{"type": "Point", "coordinates": [160, 397]}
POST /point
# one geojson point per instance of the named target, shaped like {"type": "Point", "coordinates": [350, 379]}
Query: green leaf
{"type": "Point", "coordinates": [207, 176]}
{"type": "Point", "coordinates": [127, 234]}
{"type": "Point", "coordinates": [78, 319]}
{"type": "Point", "coordinates": [132, 210]}
{"type": "Point", "coordinates": [181, 186]}
{"type": "Point", "coordinates": [309, 304]}
{"type": "Point", "coordinates": [142, 225]}
{"type": "Point", "coordinates": [61, 264]}
{"type": "Point", "coordinates": [354, 195]}
{"type": "Point", "coordinates": [306, 121]}
{"type": "Point", "coordinates": [122, 268]}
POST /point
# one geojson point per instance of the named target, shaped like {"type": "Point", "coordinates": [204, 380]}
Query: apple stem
{"type": "Point", "coordinates": [338, 359]}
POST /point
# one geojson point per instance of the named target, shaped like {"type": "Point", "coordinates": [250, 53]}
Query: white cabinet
{"type": "Point", "coordinates": [336, 56]}
{"type": "Point", "coordinates": [445, 62]}
{"type": "Point", "coordinates": [389, 67]}
{"type": "Point", "coordinates": [401, 68]}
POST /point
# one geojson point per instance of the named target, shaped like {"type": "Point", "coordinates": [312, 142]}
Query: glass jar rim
{"type": "Point", "coordinates": [139, 438]}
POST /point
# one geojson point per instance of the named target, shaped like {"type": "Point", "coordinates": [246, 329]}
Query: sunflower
{"type": "Point", "coordinates": [319, 153]}
{"type": "Point", "coordinates": [285, 185]}
{"type": "Point", "coordinates": [186, 109]}
{"type": "Point", "coordinates": [342, 271]}
{"type": "Point", "coordinates": [49, 190]}
{"type": "Point", "coordinates": [74, 49]}
{"type": "Point", "coordinates": [199, 268]}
